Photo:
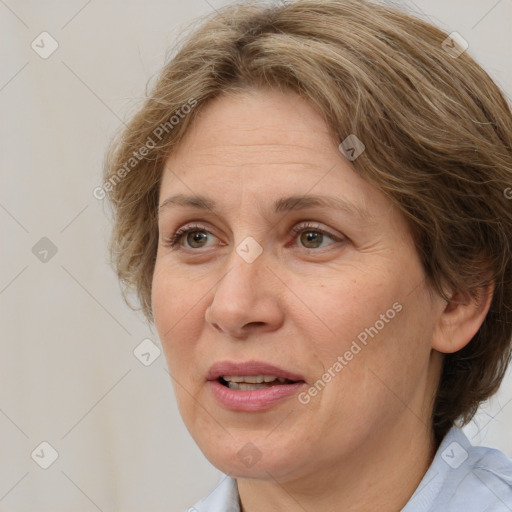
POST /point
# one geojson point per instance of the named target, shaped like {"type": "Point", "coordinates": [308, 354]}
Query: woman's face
{"type": "Point", "coordinates": [335, 301]}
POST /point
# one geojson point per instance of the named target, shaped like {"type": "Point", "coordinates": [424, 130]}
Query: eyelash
{"type": "Point", "coordinates": [173, 240]}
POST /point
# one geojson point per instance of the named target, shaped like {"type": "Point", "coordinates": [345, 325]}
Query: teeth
{"type": "Point", "coordinates": [244, 386]}
{"type": "Point", "coordinates": [253, 379]}
{"type": "Point", "coordinates": [250, 382]}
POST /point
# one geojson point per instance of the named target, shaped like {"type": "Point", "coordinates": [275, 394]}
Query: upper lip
{"type": "Point", "coordinates": [249, 368]}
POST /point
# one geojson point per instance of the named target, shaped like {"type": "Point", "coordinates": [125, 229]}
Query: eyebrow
{"type": "Point", "coordinates": [282, 205]}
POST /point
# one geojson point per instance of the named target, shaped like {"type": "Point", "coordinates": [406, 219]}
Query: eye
{"type": "Point", "coordinates": [173, 240]}
{"type": "Point", "coordinates": [312, 235]}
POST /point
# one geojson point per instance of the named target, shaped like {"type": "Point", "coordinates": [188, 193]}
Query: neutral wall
{"type": "Point", "coordinates": [69, 376]}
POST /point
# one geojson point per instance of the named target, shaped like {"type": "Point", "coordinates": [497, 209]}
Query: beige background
{"type": "Point", "coordinates": [68, 372]}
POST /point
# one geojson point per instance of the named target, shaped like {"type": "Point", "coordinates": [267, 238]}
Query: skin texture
{"type": "Point", "coordinates": [365, 439]}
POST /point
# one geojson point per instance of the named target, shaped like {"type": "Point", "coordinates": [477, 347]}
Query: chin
{"type": "Point", "coordinates": [251, 455]}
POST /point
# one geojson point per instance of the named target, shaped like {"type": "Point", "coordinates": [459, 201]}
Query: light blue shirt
{"type": "Point", "coordinates": [461, 478]}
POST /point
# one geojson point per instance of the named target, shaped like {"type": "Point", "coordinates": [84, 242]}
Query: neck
{"type": "Point", "coordinates": [381, 475]}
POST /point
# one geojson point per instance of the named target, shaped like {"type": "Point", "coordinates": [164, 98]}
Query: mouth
{"type": "Point", "coordinates": [251, 372]}
{"type": "Point", "coordinates": [250, 383]}
{"type": "Point", "coordinates": [251, 386]}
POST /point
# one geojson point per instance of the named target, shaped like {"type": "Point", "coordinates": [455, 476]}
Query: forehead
{"type": "Point", "coordinates": [260, 131]}
{"type": "Point", "coordinates": [262, 122]}
{"type": "Point", "coordinates": [265, 145]}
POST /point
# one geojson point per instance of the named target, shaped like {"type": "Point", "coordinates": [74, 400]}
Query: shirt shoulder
{"type": "Point", "coordinates": [465, 478]}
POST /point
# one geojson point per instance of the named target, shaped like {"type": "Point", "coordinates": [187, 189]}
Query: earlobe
{"type": "Point", "coordinates": [461, 318]}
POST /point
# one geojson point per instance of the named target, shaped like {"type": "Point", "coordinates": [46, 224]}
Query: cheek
{"type": "Point", "coordinates": [348, 308]}
{"type": "Point", "coordinates": [172, 299]}
{"type": "Point", "coordinates": [175, 320]}
{"type": "Point", "coordinates": [175, 312]}
{"type": "Point", "coordinates": [379, 330]}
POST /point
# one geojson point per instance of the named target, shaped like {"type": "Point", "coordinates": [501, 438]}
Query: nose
{"type": "Point", "coordinates": [246, 299]}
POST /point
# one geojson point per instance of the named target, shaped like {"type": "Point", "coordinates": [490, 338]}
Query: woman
{"type": "Point", "coordinates": [311, 207]}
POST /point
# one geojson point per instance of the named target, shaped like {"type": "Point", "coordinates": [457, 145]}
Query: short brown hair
{"type": "Point", "coordinates": [438, 137]}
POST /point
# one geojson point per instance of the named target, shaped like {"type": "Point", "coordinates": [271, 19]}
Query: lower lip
{"type": "Point", "coordinates": [254, 400]}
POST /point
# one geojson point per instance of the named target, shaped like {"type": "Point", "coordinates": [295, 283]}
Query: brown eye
{"type": "Point", "coordinates": [195, 237]}
{"type": "Point", "coordinates": [312, 236]}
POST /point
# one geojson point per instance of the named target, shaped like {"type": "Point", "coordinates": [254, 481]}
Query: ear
{"type": "Point", "coordinates": [461, 318]}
